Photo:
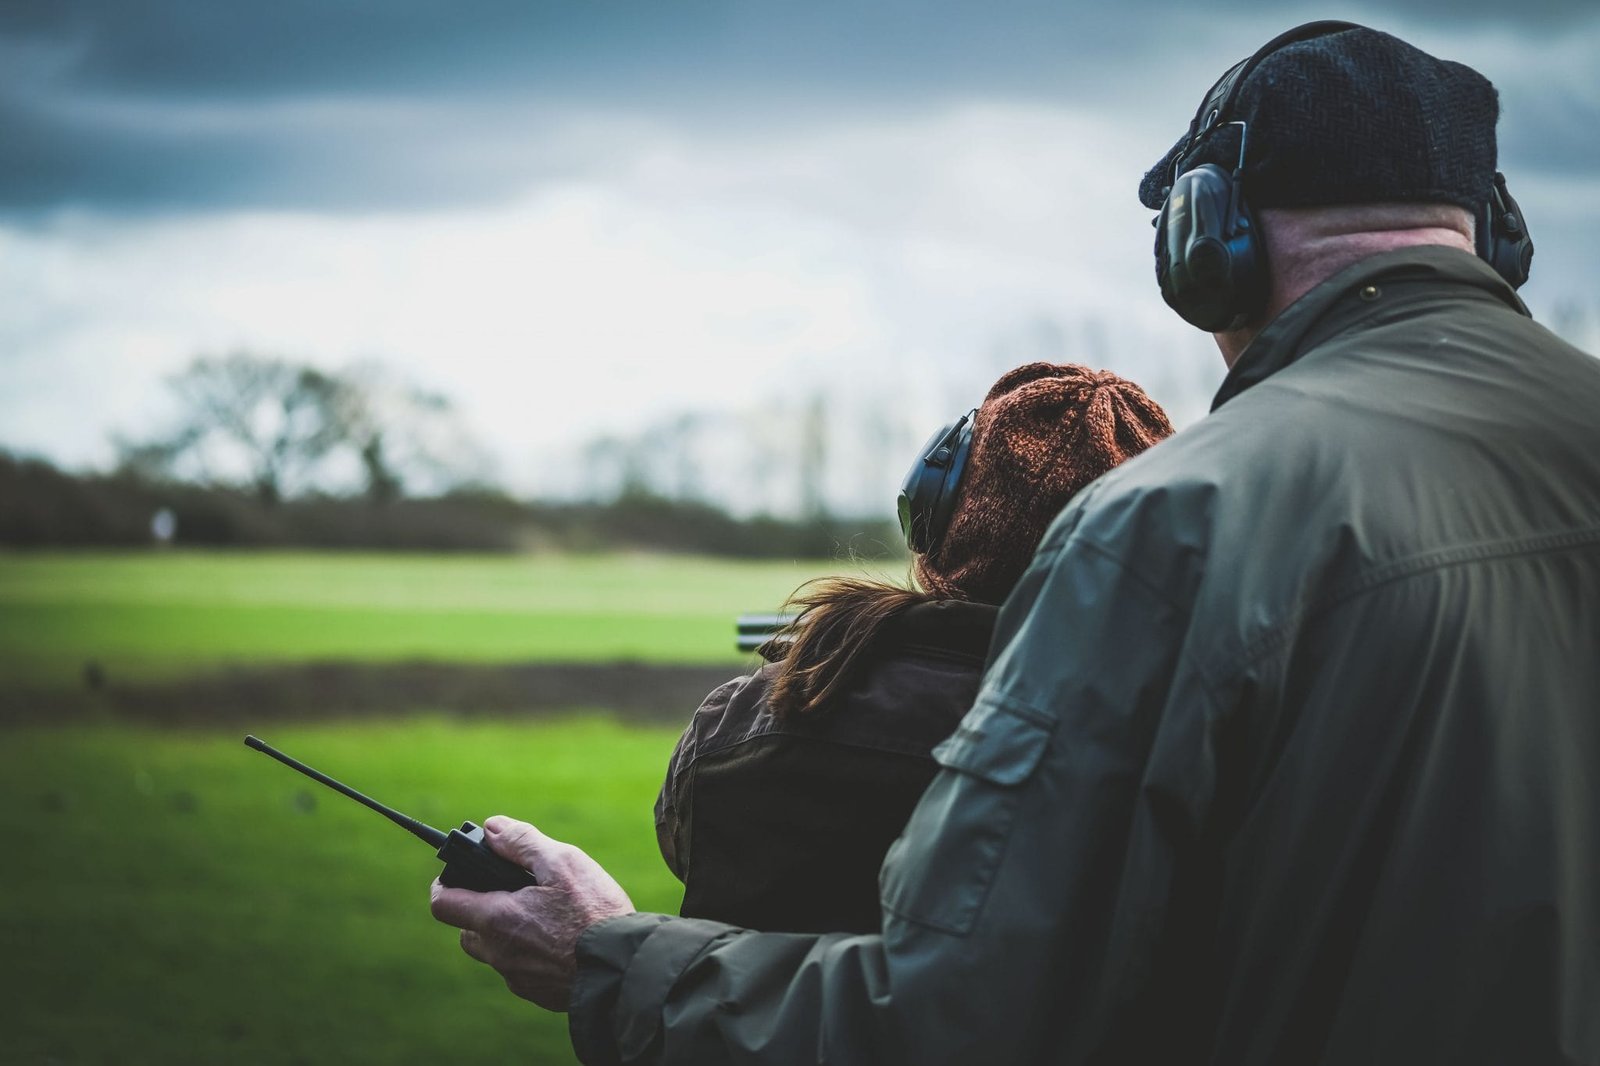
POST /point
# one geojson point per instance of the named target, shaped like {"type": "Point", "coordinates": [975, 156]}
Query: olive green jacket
{"type": "Point", "coordinates": [1288, 750]}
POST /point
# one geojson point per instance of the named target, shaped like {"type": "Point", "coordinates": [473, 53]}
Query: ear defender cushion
{"type": "Point", "coordinates": [1208, 260]}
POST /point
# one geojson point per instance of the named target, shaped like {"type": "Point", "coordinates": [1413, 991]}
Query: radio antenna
{"type": "Point", "coordinates": [410, 825]}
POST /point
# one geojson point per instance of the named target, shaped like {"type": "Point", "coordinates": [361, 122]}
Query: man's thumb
{"type": "Point", "coordinates": [521, 843]}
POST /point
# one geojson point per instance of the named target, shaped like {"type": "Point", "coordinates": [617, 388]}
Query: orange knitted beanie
{"type": "Point", "coordinates": [1043, 432]}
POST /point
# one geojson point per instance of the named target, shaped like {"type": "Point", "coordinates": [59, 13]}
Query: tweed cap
{"type": "Point", "coordinates": [1043, 432]}
{"type": "Point", "coordinates": [1353, 117]}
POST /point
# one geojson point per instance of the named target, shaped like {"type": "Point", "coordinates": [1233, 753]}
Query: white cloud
{"type": "Point", "coordinates": [898, 261]}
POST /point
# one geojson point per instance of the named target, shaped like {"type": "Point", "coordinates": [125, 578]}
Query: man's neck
{"type": "Point", "coordinates": [1307, 246]}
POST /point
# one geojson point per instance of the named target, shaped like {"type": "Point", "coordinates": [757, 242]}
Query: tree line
{"type": "Point", "coordinates": [258, 444]}
{"type": "Point", "coordinates": [47, 507]}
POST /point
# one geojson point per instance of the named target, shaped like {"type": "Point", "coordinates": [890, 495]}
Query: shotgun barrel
{"type": "Point", "coordinates": [755, 629]}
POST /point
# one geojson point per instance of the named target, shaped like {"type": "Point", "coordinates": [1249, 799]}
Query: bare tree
{"type": "Point", "coordinates": [619, 466]}
{"type": "Point", "coordinates": [270, 418]}
{"type": "Point", "coordinates": [679, 441]}
{"type": "Point", "coordinates": [812, 458]}
{"type": "Point", "coordinates": [275, 425]}
{"type": "Point", "coordinates": [405, 436]}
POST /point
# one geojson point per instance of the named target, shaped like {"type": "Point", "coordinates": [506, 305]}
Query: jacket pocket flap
{"type": "Point", "coordinates": [998, 741]}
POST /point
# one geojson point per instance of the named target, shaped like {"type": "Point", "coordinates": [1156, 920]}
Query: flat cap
{"type": "Point", "coordinates": [1356, 116]}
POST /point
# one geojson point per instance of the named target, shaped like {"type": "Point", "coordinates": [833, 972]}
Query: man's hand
{"type": "Point", "coordinates": [530, 936]}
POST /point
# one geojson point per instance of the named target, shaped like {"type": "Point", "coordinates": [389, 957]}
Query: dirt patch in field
{"type": "Point", "coordinates": [244, 696]}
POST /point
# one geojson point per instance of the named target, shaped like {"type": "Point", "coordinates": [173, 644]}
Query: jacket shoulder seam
{"type": "Point", "coordinates": [1120, 563]}
{"type": "Point", "coordinates": [1415, 566]}
{"type": "Point", "coordinates": [1195, 662]}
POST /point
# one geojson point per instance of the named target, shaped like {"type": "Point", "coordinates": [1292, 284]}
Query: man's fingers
{"type": "Point", "coordinates": [462, 907]}
{"type": "Point", "coordinates": [474, 945]}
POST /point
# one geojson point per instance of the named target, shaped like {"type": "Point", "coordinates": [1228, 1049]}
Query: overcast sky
{"type": "Point", "coordinates": [576, 218]}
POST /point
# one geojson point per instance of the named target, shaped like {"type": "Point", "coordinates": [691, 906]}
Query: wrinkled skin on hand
{"type": "Point", "coordinates": [530, 936]}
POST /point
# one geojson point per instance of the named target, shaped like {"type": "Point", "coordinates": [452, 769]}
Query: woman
{"type": "Point", "coordinates": [789, 785]}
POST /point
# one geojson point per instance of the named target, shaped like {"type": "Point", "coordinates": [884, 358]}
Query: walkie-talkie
{"type": "Point", "coordinates": [468, 861]}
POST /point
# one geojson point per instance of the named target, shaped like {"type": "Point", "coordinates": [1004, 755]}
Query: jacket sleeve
{"type": "Point", "coordinates": [1026, 903]}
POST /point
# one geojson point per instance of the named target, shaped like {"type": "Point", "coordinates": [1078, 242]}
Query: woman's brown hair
{"type": "Point", "coordinates": [839, 619]}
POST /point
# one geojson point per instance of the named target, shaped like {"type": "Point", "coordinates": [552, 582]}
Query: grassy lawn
{"type": "Point", "coordinates": [150, 615]}
{"type": "Point", "coordinates": [178, 898]}
{"type": "Point", "coordinates": [173, 897]}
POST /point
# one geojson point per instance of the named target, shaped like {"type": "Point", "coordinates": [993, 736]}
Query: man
{"type": "Point", "coordinates": [1289, 746]}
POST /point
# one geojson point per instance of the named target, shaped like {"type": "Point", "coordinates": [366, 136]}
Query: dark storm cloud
{"type": "Point", "coordinates": [1552, 129]}
{"type": "Point", "coordinates": [179, 47]}
{"type": "Point", "coordinates": [191, 104]}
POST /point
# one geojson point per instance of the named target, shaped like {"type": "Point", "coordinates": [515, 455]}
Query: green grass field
{"type": "Point", "coordinates": [159, 615]}
{"type": "Point", "coordinates": [178, 898]}
{"type": "Point", "coordinates": [172, 897]}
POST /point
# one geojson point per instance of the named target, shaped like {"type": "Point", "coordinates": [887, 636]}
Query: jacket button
{"type": "Point", "coordinates": [1371, 292]}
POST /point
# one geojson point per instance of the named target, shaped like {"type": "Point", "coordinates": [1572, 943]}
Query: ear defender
{"type": "Point", "coordinates": [1502, 235]}
{"type": "Point", "coordinates": [928, 495]}
{"type": "Point", "coordinates": [1208, 259]}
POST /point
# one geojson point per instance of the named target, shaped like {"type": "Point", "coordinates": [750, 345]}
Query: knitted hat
{"type": "Point", "coordinates": [1043, 432]}
{"type": "Point", "coordinates": [1353, 117]}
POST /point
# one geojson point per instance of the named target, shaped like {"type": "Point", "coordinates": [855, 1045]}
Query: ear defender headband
{"type": "Point", "coordinates": [928, 496]}
{"type": "Point", "coordinates": [1209, 259]}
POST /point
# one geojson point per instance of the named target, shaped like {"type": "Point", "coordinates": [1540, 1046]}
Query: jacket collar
{"type": "Point", "coordinates": [1337, 304]}
{"type": "Point", "coordinates": [954, 626]}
